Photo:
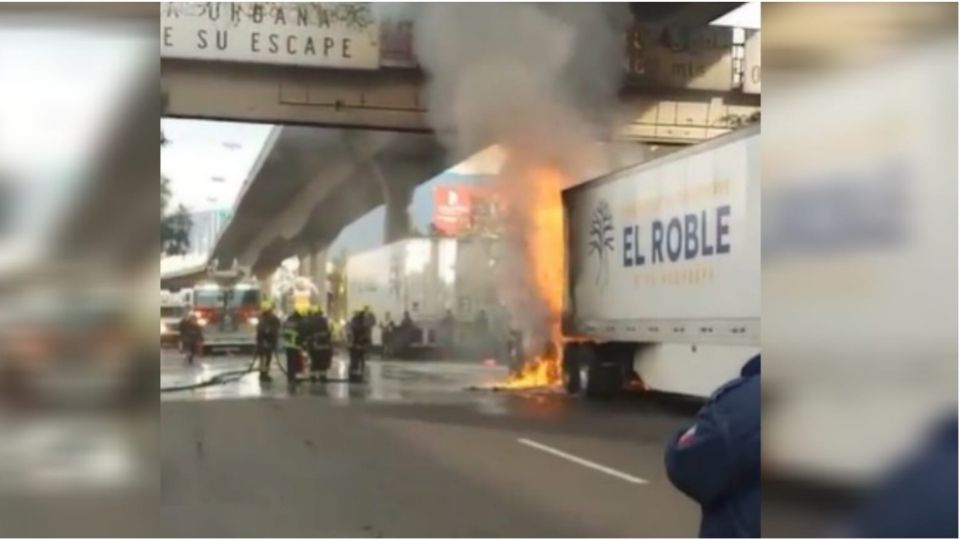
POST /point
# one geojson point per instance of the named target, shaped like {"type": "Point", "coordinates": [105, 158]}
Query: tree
{"type": "Point", "coordinates": [164, 195]}
{"type": "Point", "coordinates": [175, 232]}
{"type": "Point", "coordinates": [174, 228]}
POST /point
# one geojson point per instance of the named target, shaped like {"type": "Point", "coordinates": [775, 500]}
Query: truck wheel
{"type": "Point", "coordinates": [585, 379]}
{"type": "Point", "coordinates": [571, 367]}
{"type": "Point", "coordinates": [599, 372]}
{"type": "Point", "coordinates": [587, 371]}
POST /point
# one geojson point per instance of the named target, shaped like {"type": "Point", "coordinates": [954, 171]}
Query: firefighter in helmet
{"type": "Point", "coordinates": [360, 339]}
{"type": "Point", "coordinates": [319, 344]}
{"type": "Point", "coordinates": [191, 335]}
{"type": "Point", "coordinates": [268, 338]}
{"type": "Point", "coordinates": [295, 331]}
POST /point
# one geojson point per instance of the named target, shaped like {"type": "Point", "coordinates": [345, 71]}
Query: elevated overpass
{"type": "Point", "coordinates": [678, 88]}
{"type": "Point", "coordinates": [391, 99]}
{"type": "Point", "coordinates": [308, 183]}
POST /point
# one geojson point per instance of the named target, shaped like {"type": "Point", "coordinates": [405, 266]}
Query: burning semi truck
{"type": "Point", "coordinates": [662, 271]}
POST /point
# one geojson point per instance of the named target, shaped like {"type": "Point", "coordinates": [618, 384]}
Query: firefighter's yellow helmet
{"type": "Point", "coordinates": [266, 305]}
{"type": "Point", "coordinates": [302, 309]}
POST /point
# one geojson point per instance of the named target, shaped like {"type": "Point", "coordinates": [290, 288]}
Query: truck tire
{"type": "Point", "coordinates": [589, 372]}
{"type": "Point", "coordinates": [600, 373]}
{"type": "Point", "coordinates": [571, 367]}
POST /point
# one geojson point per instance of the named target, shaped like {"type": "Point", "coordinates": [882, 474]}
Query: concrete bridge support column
{"type": "Point", "coordinates": [397, 222]}
{"type": "Point", "coordinates": [397, 196]}
{"type": "Point", "coordinates": [266, 287]}
{"type": "Point", "coordinates": [313, 265]}
{"type": "Point", "coordinates": [304, 270]}
{"type": "Point", "coordinates": [319, 276]}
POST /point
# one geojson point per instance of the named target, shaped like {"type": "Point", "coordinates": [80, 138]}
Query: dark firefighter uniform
{"type": "Point", "coordinates": [268, 338]}
{"type": "Point", "coordinates": [295, 331]}
{"type": "Point", "coordinates": [319, 344]}
{"type": "Point", "coordinates": [716, 462]}
{"type": "Point", "coordinates": [191, 336]}
{"type": "Point", "coordinates": [360, 339]}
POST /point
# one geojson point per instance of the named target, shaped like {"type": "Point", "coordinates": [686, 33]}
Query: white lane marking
{"type": "Point", "coordinates": [585, 462]}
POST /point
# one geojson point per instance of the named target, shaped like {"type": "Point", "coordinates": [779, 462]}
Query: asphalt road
{"type": "Point", "coordinates": [413, 453]}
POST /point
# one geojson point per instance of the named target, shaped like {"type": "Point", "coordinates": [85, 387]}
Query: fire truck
{"type": "Point", "coordinates": [173, 306]}
{"type": "Point", "coordinates": [226, 304]}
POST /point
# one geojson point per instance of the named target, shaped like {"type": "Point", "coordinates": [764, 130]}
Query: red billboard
{"type": "Point", "coordinates": [453, 208]}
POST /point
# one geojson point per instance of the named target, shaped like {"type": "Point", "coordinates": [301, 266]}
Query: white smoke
{"type": "Point", "coordinates": [534, 76]}
{"type": "Point", "coordinates": [540, 80]}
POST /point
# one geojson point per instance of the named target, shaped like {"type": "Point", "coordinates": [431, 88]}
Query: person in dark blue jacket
{"type": "Point", "coordinates": [919, 498]}
{"type": "Point", "coordinates": [716, 462]}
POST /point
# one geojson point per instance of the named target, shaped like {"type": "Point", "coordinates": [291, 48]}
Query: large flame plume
{"type": "Point", "coordinates": [541, 81]}
{"type": "Point", "coordinates": [535, 215]}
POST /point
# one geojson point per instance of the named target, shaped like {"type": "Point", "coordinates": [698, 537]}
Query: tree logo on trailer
{"type": "Point", "coordinates": [601, 240]}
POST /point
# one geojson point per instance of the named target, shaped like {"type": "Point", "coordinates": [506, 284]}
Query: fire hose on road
{"type": "Point", "coordinates": [235, 375]}
{"type": "Point", "coordinates": [218, 379]}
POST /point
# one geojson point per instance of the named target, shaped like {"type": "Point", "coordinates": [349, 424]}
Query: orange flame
{"type": "Point", "coordinates": [545, 256]}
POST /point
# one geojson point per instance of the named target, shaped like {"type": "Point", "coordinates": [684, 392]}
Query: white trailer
{"type": "Point", "coordinates": [424, 277]}
{"type": "Point", "coordinates": [663, 271]}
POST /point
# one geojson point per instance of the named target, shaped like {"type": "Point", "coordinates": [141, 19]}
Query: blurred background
{"type": "Point", "coordinates": [859, 255]}
{"type": "Point", "coordinates": [79, 107]}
